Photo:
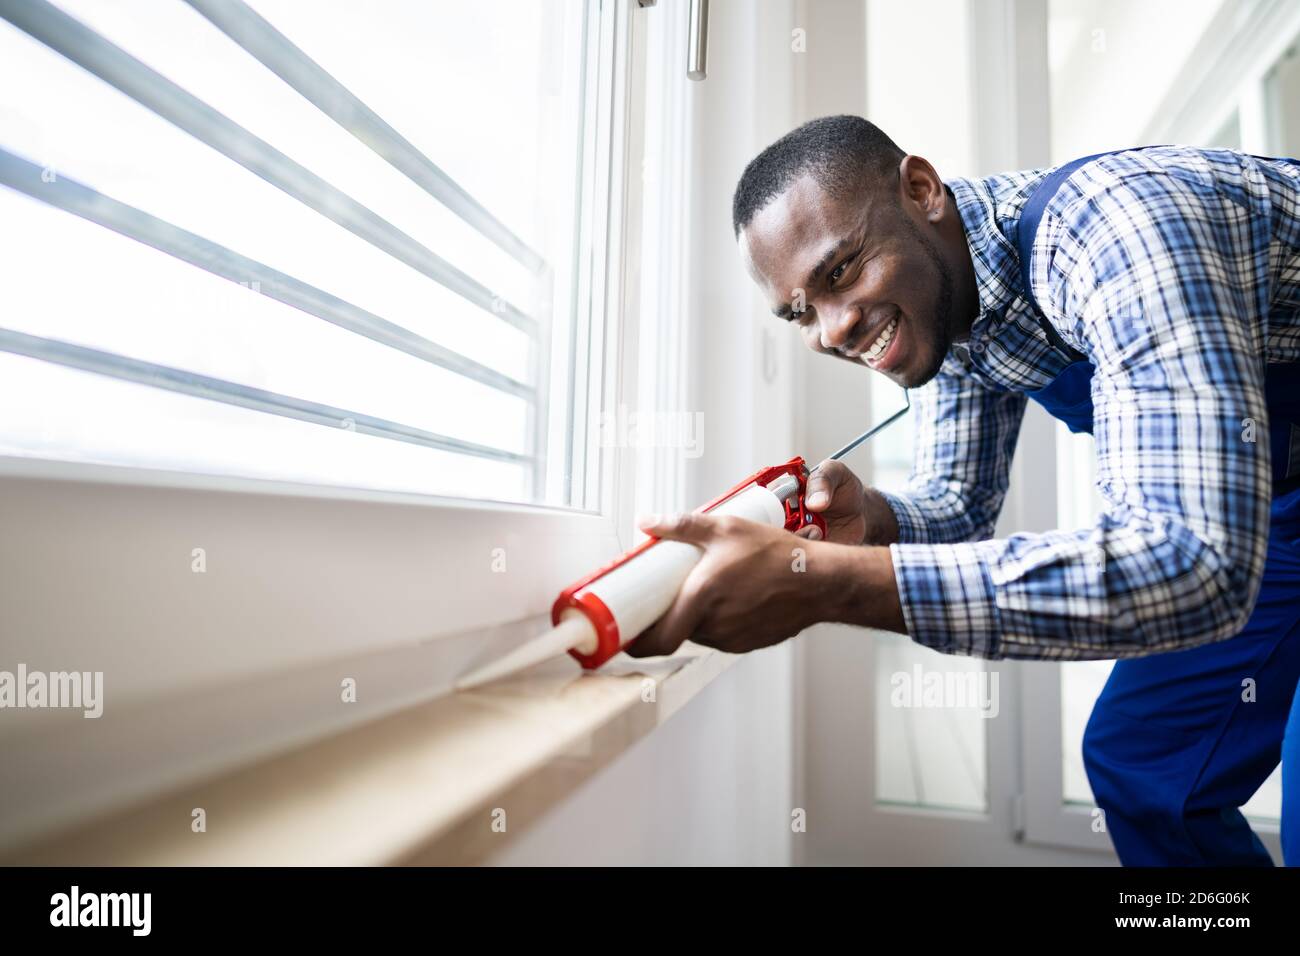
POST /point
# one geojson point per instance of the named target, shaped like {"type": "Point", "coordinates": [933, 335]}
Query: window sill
{"type": "Point", "coordinates": [300, 592]}
{"type": "Point", "coordinates": [424, 785]}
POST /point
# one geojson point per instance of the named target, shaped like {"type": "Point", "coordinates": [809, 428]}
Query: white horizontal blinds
{"type": "Point", "coordinates": [63, 193]}
{"type": "Point", "coordinates": [348, 280]}
{"type": "Point", "coordinates": [243, 25]}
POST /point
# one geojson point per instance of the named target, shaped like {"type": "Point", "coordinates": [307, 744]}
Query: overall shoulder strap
{"type": "Point", "coordinates": [1030, 216]}
{"type": "Point", "coordinates": [1027, 228]}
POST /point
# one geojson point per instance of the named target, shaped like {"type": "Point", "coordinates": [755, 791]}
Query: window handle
{"type": "Point", "coordinates": [697, 52]}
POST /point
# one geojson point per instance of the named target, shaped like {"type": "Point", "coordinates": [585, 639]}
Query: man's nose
{"type": "Point", "coordinates": [837, 327]}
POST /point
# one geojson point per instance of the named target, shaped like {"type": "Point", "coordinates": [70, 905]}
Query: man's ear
{"type": "Point", "coordinates": [921, 188]}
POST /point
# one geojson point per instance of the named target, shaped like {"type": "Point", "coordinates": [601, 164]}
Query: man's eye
{"type": "Point", "coordinates": [839, 272]}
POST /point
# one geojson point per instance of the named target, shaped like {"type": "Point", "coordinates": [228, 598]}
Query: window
{"type": "Point", "coordinates": [1244, 99]}
{"type": "Point", "coordinates": [364, 271]}
{"type": "Point", "coordinates": [1282, 101]}
{"type": "Point", "coordinates": [925, 757]}
{"type": "Point", "coordinates": [928, 757]}
{"type": "Point", "coordinates": [302, 383]}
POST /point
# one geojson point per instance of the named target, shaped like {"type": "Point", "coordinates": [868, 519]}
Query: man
{"type": "Point", "coordinates": [1149, 296]}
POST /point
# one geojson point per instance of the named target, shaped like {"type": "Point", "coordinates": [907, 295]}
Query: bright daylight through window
{"type": "Point", "coordinates": [349, 273]}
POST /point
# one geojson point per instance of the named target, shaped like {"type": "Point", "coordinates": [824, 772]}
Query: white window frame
{"type": "Point", "coordinates": [306, 582]}
{"type": "Point", "coordinates": [1226, 73]}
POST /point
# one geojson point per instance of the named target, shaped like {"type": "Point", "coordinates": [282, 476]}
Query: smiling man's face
{"type": "Point", "coordinates": [869, 270]}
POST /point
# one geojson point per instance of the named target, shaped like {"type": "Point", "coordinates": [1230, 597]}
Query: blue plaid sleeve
{"type": "Point", "coordinates": [965, 436]}
{"type": "Point", "coordinates": [1162, 279]}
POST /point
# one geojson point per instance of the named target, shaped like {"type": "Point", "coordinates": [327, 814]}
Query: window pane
{"type": "Point", "coordinates": [502, 115]}
{"type": "Point", "coordinates": [1108, 83]}
{"type": "Point", "coordinates": [1228, 136]}
{"type": "Point", "coordinates": [930, 726]}
{"type": "Point", "coordinates": [1081, 681]}
{"type": "Point", "coordinates": [1283, 97]}
{"type": "Point", "coordinates": [930, 732]}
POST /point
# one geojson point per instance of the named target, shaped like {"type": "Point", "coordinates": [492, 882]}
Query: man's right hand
{"type": "Point", "coordinates": [854, 514]}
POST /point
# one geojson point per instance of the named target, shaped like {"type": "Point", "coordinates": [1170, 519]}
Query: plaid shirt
{"type": "Point", "coordinates": [1177, 272]}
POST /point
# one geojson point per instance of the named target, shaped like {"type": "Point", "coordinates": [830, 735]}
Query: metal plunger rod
{"type": "Point", "coordinates": [907, 398]}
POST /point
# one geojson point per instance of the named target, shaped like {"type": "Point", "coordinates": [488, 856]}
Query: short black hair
{"type": "Point", "coordinates": [841, 151]}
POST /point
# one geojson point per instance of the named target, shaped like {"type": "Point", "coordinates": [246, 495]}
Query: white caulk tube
{"type": "Point", "coordinates": [637, 593]}
{"type": "Point", "coordinates": [617, 604]}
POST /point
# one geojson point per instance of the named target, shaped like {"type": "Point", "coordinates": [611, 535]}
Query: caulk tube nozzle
{"type": "Point", "coordinates": [573, 633]}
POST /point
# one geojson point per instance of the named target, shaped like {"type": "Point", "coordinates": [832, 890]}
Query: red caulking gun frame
{"type": "Point", "coordinates": [600, 614]}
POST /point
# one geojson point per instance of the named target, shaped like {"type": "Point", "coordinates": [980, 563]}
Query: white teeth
{"type": "Point", "coordinates": [878, 347]}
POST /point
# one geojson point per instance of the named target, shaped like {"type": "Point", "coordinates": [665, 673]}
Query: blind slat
{"type": "Point", "coordinates": [246, 27]}
{"type": "Point", "coordinates": [80, 200]}
{"type": "Point", "coordinates": [183, 382]}
{"type": "Point", "coordinates": [83, 46]}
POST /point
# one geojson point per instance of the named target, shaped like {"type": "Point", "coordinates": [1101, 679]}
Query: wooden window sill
{"type": "Point", "coordinates": [424, 785]}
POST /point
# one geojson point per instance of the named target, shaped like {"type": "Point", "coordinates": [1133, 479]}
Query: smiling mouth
{"type": "Point", "coordinates": [875, 347]}
{"type": "Point", "coordinates": [879, 346]}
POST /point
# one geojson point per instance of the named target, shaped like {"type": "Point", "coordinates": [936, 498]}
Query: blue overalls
{"type": "Point", "coordinates": [1172, 750]}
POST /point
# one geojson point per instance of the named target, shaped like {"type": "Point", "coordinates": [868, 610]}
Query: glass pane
{"type": "Point", "coordinates": [512, 137]}
{"type": "Point", "coordinates": [930, 707]}
{"type": "Point", "coordinates": [926, 756]}
{"type": "Point", "coordinates": [1081, 681]}
{"type": "Point", "coordinates": [1112, 64]}
{"type": "Point", "coordinates": [1107, 84]}
{"type": "Point", "coordinates": [931, 710]}
{"type": "Point", "coordinates": [1228, 136]}
{"type": "Point", "coordinates": [1282, 94]}
{"type": "Point", "coordinates": [891, 448]}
